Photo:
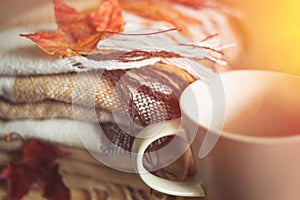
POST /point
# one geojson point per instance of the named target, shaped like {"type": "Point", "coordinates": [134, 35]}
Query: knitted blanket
{"type": "Point", "coordinates": [47, 97]}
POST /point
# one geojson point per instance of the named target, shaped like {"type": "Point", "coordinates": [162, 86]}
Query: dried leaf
{"type": "Point", "coordinates": [191, 3]}
{"type": "Point", "coordinates": [39, 170]}
{"type": "Point", "coordinates": [157, 10]}
{"type": "Point", "coordinates": [79, 31]}
{"type": "Point", "coordinates": [55, 188]}
{"type": "Point", "coordinates": [45, 153]}
{"type": "Point", "coordinates": [108, 17]}
{"type": "Point", "coordinates": [74, 24]}
{"type": "Point", "coordinates": [51, 43]}
{"type": "Point", "coordinates": [19, 180]}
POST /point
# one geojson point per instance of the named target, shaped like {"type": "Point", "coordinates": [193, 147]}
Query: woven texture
{"type": "Point", "coordinates": [148, 95]}
{"type": "Point", "coordinates": [48, 110]}
{"type": "Point", "coordinates": [161, 86]}
{"type": "Point", "coordinates": [48, 88]}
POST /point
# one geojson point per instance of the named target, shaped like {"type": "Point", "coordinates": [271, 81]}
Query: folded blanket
{"type": "Point", "coordinates": [61, 131]}
{"type": "Point", "coordinates": [106, 94]}
{"type": "Point", "coordinates": [48, 98]}
{"type": "Point", "coordinates": [49, 110]}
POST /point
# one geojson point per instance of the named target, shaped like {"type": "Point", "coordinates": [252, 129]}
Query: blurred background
{"type": "Point", "coordinates": [271, 34]}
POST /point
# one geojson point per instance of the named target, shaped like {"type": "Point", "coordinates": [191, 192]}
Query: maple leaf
{"type": "Point", "coordinates": [45, 153]}
{"type": "Point", "coordinates": [108, 17]}
{"type": "Point", "coordinates": [158, 10]}
{"type": "Point", "coordinates": [55, 188]}
{"type": "Point", "coordinates": [16, 174]}
{"type": "Point", "coordinates": [191, 3]}
{"type": "Point", "coordinates": [79, 32]}
{"type": "Point", "coordinates": [39, 170]}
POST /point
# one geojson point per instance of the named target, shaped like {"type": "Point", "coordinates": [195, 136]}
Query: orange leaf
{"type": "Point", "coordinates": [72, 22]}
{"type": "Point", "coordinates": [191, 3]}
{"type": "Point", "coordinates": [157, 10]}
{"type": "Point", "coordinates": [108, 17]}
{"type": "Point", "coordinates": [51, 43]}
{"type": "Point", "coordinates": [79, 32]}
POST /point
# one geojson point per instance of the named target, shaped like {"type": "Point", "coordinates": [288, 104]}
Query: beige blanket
{"type": "Point", "coordinates": [42, 96]}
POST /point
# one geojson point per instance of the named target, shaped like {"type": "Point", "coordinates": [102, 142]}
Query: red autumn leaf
{"type": "Point", "coordinates": [55, 188]}
{"type": "Point", "coordinates": [19, 180]}
{"type": "Point", "coordinates": [45, 153]}
{"type": "Point", "coordinates": [79, 32]}
{"type": "Point", "coordinates": [38, 170]}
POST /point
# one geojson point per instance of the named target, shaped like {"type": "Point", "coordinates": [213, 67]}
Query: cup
{"type": "Point", "coordinates": [255, 155]}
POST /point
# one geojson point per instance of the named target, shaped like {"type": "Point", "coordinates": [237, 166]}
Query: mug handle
{"type": "Point", "coordinates": [189, 188]}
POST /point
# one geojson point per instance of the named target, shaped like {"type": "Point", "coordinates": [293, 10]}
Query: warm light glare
{"type": "Point", "coordinates": [271, 33]}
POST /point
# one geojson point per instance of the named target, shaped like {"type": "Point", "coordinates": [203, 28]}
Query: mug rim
{"type": "Point", "coordinates": [234, 135]}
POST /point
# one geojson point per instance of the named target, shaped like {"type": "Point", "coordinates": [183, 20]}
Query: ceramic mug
{"type": "Point", "coordinates": [256, 155]}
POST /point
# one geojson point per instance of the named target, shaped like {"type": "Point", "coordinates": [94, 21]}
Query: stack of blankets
{"type": "Point", "coordinates": [64, 100]}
